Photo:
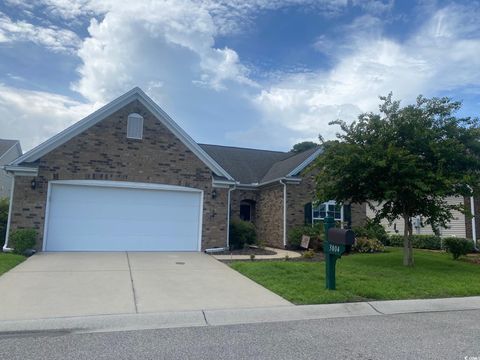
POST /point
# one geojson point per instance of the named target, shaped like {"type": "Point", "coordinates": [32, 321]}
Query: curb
{"type": "Point", "coordinates": [219, 317]}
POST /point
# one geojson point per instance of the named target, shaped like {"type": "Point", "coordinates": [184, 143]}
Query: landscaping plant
{"type": "Point", "coordinates": [404, 162]}
{"type": "Point", "coordinates": [22, 240]}
{"type": "Point", "coordinates": [242, 233]}
{"type": "Point", "coordinates": [458, 246]}
{"type": "Point", "coordinates": [367, 245]}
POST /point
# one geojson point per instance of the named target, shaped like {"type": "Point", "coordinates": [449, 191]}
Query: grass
{"type": "Point", "coordinates": [8, 261]}
{"type": "Point", "coordinates": [362, 277]}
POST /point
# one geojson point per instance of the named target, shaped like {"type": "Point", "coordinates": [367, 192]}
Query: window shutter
{"type": "Point", "coordinates": [308, 213]}
{"type": "Point", "coordinates": [347, 214]}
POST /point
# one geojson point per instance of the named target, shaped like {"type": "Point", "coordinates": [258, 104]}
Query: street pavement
{"type": "Point", "coordinates": [429, 335]}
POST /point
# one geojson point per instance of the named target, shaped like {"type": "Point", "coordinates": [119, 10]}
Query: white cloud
{"type": "Point", "coordinates": [54, 38]}
{"type": "Point", "coordinates": [441, 56]}
{"type": "Point", "coordinates": [33, 116]}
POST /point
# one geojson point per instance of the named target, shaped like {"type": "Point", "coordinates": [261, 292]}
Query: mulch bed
{"type": "Point", "coordinates": [247, 251]}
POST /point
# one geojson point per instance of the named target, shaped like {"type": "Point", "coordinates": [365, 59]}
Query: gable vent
{"type": "Point", "coordinates": [135, 126]}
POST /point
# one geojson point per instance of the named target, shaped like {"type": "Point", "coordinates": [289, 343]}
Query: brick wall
{"type": "Point", "coordinates": [269, 211]}
{"type": "Point", "coordinates": [103, 152]}
{"type": "Point", "coordinates": [236, 196]}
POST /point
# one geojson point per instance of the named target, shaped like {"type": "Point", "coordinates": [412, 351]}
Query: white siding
{"type": "Point", "coordinates": [456, 226]}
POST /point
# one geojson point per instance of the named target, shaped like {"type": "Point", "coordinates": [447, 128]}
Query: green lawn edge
{"type": "Point", "coordinates": [9, 261]}
{"type": "Point", "coordinates": [365, 277]}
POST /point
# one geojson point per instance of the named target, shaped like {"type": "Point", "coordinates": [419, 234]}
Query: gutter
{"type": "Point", "coordinates": [10, 205]}
{"type": "Point", "coordinates": [228, 215]}
{"type": "Point", "coordinates": [284, 212]}
{"type": "Point", "coordinates": [474, 228]}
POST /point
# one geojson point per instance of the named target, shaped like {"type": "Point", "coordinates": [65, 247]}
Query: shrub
{"type": "Point", "coordinates": [431, 242]}
{"type": "Point", "coordinates": [23, 239]}
{"type": "Point", "coordinates": [3, 220]}
{"type": "Point", "coordinates": [242, 233]}
{"type": "Point", "coordinates": [372, 230]}
{"type": "Point", "coordinates": [315, 232]}
{"type": "Point", "coordinates": [458, 246]}
{"type": "Point", "coordinates": [366, 245]}
{"type": "Point", "coordinates": [309, 254]}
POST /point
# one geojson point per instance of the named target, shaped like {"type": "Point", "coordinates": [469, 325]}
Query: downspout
{"type": "Point", "coordinates": [284, 213]}
{"type": "Point", "coordinates": [10, 205]}
{"type": "Point", "coordinates": [228, 214]}
{"type": "Point", "coordinates": [474, 228]}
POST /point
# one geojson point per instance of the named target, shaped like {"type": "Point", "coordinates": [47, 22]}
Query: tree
{"type": "Point", "coordinates": [303, 146]}
{"type": "Point", "coordinates": [406, 159]}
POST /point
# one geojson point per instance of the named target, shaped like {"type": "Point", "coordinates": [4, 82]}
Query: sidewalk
{"type": "Point", "coordinates": [280, 254]}
{"type": "Point", "coordinates": [102, 323]}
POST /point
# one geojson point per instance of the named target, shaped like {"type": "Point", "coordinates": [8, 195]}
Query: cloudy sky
{"type": "Point", "coordinates": [254, 73]}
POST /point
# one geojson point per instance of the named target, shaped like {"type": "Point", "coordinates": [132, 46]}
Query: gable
{"type": "Point", "coordinates": [135, 94]}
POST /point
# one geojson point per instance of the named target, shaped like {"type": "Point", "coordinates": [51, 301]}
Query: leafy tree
{"type": "Point", "coordinates": [303, 146]}
{"type": "Point", "coordinates": [409, 159]}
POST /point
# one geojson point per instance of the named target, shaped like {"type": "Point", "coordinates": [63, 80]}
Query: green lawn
{"type": "Point", "coordinates": [8, 261]}
{"type": "Point", "coordinates": [363, 277]}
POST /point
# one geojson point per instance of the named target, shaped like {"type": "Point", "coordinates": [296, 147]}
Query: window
{"type": "Point", "coordinates": [135, 126]}
{"type": "Point", "coordinates": [321, 210]}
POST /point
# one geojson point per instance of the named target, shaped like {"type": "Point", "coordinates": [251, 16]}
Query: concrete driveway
{"type": "Point", "coordinates": [79, 283]}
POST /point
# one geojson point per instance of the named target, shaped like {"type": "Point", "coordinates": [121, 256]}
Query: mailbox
{"type": "Point", "coordinates": [341, 236]}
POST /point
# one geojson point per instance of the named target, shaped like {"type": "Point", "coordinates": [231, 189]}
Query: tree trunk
{"type": "Point", "coordinates": [407, 242]}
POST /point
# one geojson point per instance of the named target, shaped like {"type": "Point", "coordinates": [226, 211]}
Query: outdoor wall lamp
{"type": "Point", "coordinates": [214, 194]}
{"type": "Point", "coordinates": [33, 184]}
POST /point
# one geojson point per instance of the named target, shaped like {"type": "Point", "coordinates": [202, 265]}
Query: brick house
{"type": "Point", "coordinates": [127, 177]}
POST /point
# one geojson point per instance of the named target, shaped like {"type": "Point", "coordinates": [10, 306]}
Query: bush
{"type": "Point", "coordinates": [372, 230]}
{"type": "Point", "coordinates": [3, 220]}
{"type": "Point", "coordinates": [242, 233]}
{"type": "Point", "coordinates": [309, 254]}
{"type": "Point", "coordinates": [366, 245]}
{"type": "Point", "coordinates": [431, 242]}
{"type": "Point", "coordinates": [22, 240]}
{"type": "Point", "coordinates": [458, 246]}
{"type": "Point", "coordinates": [315, 232]}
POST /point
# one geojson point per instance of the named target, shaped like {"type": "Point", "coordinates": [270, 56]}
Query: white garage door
{"type": "Point", "coordinates": [114, 216]}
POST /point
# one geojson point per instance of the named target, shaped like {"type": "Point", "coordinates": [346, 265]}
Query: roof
{"type": "Point", "coordinates": [6, 145]}
{"type": "Point", "coordinates": [134, 94]}
{"type": "Point", "coordinates": [230, 164]}
{"type": "Point", "coordinates": [252, 166]}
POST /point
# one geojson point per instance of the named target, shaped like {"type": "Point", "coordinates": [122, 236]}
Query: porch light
{"type": "Point", "coordinates": [33, 184]}
{"type": "Point", "coordinates": [214, 194]}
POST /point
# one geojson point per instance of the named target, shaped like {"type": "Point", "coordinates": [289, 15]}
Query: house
{"type": "Point", "coordinates": [9, 151]}
{"type": "Point", "coordinates": [462, 225]}
{"type": "Point", "coordinates": [127, 177]}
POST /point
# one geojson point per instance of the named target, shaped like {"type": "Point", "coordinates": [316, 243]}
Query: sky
{"type": "Point", "coordinates": [252, 73]}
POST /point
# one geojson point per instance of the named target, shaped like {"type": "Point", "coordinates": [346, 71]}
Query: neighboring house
{"type": "Point", "coordinates": [127, 177]}
{"type": "Point", "coordinates": [9, 151]}
{"type": "Point", "coordinates": [460, 226]}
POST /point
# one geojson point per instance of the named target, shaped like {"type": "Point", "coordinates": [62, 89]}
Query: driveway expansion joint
{"type": "Point", "coordinates": [133, 285]}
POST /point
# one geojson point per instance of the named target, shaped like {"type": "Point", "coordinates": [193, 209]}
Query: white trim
{"type": "Point", "coordinates": [10, 206]}
{"type": "Point", "coordinates": [305, 163]}
{"type": "Point", "coordinates": [256, 185]}
{"type": "Point", "coordinates": [134, 94]}
{"type": "Point", "coordinates": [121, 184]}
{"type": "Point", "coordinates": [284, 213]}
{"type": "Point", "coordinates": [200, 221]}
{"type": "Point", "coordinates": [21, 170]}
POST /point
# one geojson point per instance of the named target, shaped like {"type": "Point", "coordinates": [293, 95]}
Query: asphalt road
{"type": "Point", "coordinates": [442, 335]}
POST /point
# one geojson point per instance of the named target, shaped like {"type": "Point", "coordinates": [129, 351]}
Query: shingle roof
{"type": "Point", "coordinates": [5, 145]}
{"type": "Point", "coordinates": [250, 166]}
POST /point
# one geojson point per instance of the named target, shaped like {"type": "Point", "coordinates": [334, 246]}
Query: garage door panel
{"type": "Point", "coordinates": [96, 218]}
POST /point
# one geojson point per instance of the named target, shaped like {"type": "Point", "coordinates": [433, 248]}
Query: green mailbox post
{"type": "Point", "coordinates": [336, 241]}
